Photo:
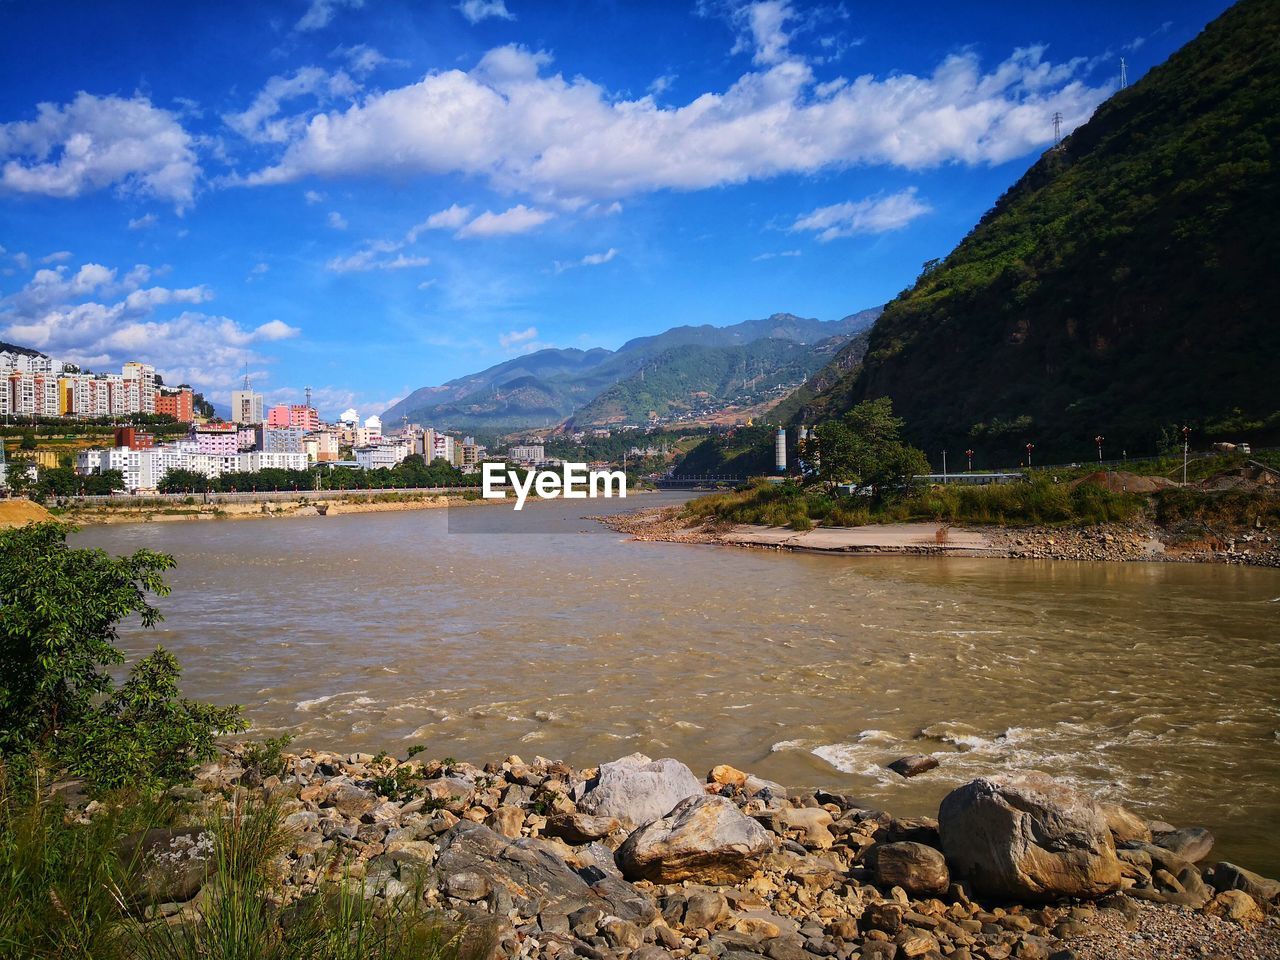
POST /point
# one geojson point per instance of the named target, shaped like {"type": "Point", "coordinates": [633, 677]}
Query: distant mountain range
{"type": "Point", "coordinates": [688, 368]}
{"type": "Point", "coordinates": [1124, 286]}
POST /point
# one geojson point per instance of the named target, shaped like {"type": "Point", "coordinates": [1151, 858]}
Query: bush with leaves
{"type": "Point", "coordinates": [59, 612]}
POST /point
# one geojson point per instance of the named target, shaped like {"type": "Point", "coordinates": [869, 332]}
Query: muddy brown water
{"type": "Point", "coordinates": [1154, 684]}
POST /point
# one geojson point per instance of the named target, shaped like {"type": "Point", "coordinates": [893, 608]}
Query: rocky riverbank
{"type": "Point", "coordinates": [642, 859]}
{"type": "Point", "coordinates": [1135, 541]}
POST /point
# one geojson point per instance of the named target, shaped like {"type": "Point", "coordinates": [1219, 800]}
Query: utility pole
{"type": "Point", "coordinates": [1098, 440]}
{"type": "Point", "coordinates": [1030, 447]}
{"type": "Point", "coordinates": [944, 466]}
{"type": "Point", "coordinates": [969, 454]}
{"type": "Point", "coordinates": [1186, 452]}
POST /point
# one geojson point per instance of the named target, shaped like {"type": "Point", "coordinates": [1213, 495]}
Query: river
{"type": "Point", "coordinates": [1154, 684]}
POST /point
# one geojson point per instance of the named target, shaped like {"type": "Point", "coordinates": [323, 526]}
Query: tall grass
{"type": "Point", "coordinates": [67, 892]}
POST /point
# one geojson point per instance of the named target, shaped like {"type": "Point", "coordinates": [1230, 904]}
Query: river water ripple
{"type": "Point", "coordinates": [1154, 684]}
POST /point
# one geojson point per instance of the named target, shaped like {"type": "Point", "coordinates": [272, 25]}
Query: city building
{"type": "Point", "coordinates": [293, 415]}
{"type": "Point", "coordinates": [388, 453]}
{"type": "Point", "coordinates": [246, 406]}
{"type": "Point", "coordinates": [527, 453]}
{"type": "Point", "coordinates": [134, 439]}
{"type": "Point", "coordinates": [216, 439]}
{"type": "Point", "coordinates": [279, 439]}
{"type": "Point", "coordinates": [179, 404]}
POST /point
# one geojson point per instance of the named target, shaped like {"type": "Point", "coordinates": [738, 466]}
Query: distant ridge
{"type": "Point", "coordinates": [549, 386]}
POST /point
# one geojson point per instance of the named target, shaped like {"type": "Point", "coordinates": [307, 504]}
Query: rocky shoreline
{"type": "Point", "coordinates": [642, 859]}
{"type": "Point", "coordinates": [1114, 542]}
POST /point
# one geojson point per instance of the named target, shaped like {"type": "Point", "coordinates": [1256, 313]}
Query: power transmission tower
{"type": "Point", "coordinates": [1124, 74]}
{"type": "Point", "coordinates": [1057, 128]}
{"type": "Point", "coordinates": [308, 396]}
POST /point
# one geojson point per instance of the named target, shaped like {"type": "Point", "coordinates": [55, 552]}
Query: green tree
{"type": "Point", "coordinates": [184, 481]}
{"type": "Point", "coordinates": [865, 448]}
{"type": "Point", "coordinates": [59, 612]}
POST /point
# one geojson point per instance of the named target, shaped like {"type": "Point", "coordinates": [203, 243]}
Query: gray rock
{"type": "Point", "coordinates": [167, 866]}
{"type": "Point", "coordinates": [706, 909]}
{"type": "Point", "coordinates": [350, 800]}
{"type": "Point", "coordinates": [704, 838]}
{"type": "Point", "coordinates": [580, 827]}
{"type": "Point", "coordinates": [637, 790]}
{"type": "Point", "coordinates": [1190, 843]}
{"type": "Point", "coordinates": [1028, 837]}
{"type": "Point", "coordinates": [535, 876]}
{"type": "Point", "coordinates": [913, 765]}
{"type": "Point", "coordinates": [1227, 876]}
{"type": "Point", "coordinates": [917, 869]}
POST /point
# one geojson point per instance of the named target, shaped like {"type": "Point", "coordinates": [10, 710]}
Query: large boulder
{"type": "Point", "coordinates": [478, 863]}
{"type": "Point", "coordinates": [916, 868]}
{"type": "Point", "coordinates": [705, 838]}
{"type": "Point", "coordinates": [636, 789]}
{"type": "Point", "coordinates": [167, 866]}
{"type": "Point", "coordinates": [1028, 837]}
{"type": "Point", "coordinates": [1227, 876]}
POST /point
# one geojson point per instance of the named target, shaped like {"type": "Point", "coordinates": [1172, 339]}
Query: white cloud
{"type": "Point", "coordinates": [275, 330]}
{"type": "Point", "coordinates": [518, 337]}
{"type": "Point", "coordinates": [97, 142]}
{"type": "Point", "coordinates": [144, 222]}
{"type": "Point", "coordinates": [477, 10]}
{"type": "Point", "coordinates": [880, 214]}
{"type": "Point", "coordinates": [261, 121]}
{"type": "Point", "coordinates": [94, 317]}
{"type": "Point", "coordinates": [764, 26]}
{"type": "Point", "coordinates": [662, 84]}
{"type": "Point", "coordinates": [519, 219]}
{"type": "Point", "coordinates": [313, 197]}
{"type": "Point", "coordinates": [590, 260]}
{"type": "Point", "coordinates": [58, 257]}
{"type": "Point", "coordinates": [363, 59]}
{"type": "Point", "coordinates": [370, 259]}
{"type": "Point", "coordinates": [428, 284]}
{"type": "Point", "coordinates": [771, 256]}
{"type": "Point", "coordinates": [447, 219]}
{"type": "Point", "coordinates": [320, 12]}
{"type": "Point", "coordinates": [337, 220]}
{"type": "Point", "coordinates": [550, 137]}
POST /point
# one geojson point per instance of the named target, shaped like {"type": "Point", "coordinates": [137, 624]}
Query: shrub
{"type": "Point", "coordinates": [59, 609]}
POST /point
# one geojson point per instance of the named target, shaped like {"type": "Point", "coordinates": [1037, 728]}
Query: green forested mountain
{"type": "Point", "coordinates": [1127, 284]}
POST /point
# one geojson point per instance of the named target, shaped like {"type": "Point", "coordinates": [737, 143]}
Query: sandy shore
{"type": "Point", "coordinates": [1140, 541]}
{"type": "Point", "coordinates": [153, 512]}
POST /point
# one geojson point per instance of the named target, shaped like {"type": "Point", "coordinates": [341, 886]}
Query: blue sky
{"type": "Point", "coordinates": [368, 196]}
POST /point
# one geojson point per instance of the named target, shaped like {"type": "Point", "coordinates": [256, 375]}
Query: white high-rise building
{"type": "Point", "coordinates": [246, 406]}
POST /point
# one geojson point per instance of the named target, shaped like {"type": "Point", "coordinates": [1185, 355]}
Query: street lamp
{"type": "Point", "coordinates": [1030, 447]}
{"type": "Point", "coordinates": [969, 454]}
{"type": "Point", "coordinates": [1098, 440]}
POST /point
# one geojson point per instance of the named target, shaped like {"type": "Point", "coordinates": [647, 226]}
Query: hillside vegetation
{"type": "Point", "coordinates": [1125, 285]}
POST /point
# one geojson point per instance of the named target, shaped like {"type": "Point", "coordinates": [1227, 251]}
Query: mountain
{"type": "Point", "coordinates": [1125, 285]}
{"type": "Point", "coordinates": [549, 386]}
{"type": "Point", "coordinates": [695, 378]}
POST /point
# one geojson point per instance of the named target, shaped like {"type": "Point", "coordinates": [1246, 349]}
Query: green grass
{"type": "Point", "coordinates": [67, 893]}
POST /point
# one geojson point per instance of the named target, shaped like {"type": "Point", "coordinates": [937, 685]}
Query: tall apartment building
{"type": "Point", "coordinates": [246, 406]}
{"type": "Point", "coordinates": [179, 404]}
{"type": "Point", "coordinates": [279, 439]}
{"type": "Point", "coordinates": [293, 415]}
